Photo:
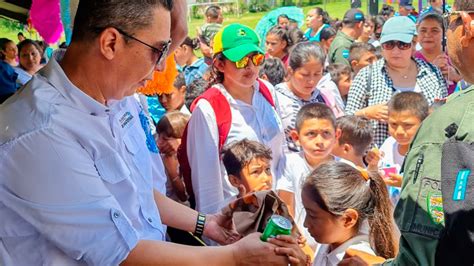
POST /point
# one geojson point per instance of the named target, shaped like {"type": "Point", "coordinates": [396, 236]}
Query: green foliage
{"type": "Point", "coordinates": [10, 25]}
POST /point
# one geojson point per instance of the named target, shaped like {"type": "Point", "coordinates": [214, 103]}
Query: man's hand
{"type": "Point", "coordinates": [252, 251]}
{"type": "Point", "coordinates": [221, 229]}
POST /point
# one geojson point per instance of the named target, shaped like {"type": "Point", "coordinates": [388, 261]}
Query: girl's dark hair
{"type": "Point", "coordinates": [282, 33]}
{"type": "Point", "coordinates": [321, 12]}
{"type": "Point", "coordinates": [274, 69]}
{"type": "Point", "coordinates": [216, 76]}
{"type": "Point", "coordinates": [303, 52]}
{"type": "Point", "coordinates": [386, 10]}
{"type": "Point", "coordinates": [337, 186]}
{"type": "Point", "coordinates": [3, 46]}
{"type": "Point", "coordinates": [193, 43]}
{"type": "Point", "coordinates": [296, 35]}
{"type": "Point", "coordinates": [327, 33]}
{"type": "Point", "coordinates": [29, 42]}
{"type": "Point", "coordinates": [378, 22]}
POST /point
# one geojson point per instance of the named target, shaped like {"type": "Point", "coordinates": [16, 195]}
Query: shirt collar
{"type": "Point", "coordinates": [55, 76]}
{"type": "Point", "coordinates": [286, 91]}
{"type": "Point", "coordinates": [422, 66]}
{"type": "Point", "coordinates": [335, 256]}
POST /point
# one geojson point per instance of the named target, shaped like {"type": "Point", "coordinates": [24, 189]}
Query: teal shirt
{"type": "Point", "coordinates": [317, 36]}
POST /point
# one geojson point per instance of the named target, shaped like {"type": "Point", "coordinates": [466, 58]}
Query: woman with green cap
{"type": "Point", "coordinates": [237, 106]}
{"type": "Point", "coordinates": [396, 72]}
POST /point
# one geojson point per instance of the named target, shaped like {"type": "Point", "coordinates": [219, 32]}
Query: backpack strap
{"type": "Point", "coordinates": [222, 111]}
{"type": "Point", "coordinates": [223, 114]}
{"type": "Point", "coordinates": [265, 92]}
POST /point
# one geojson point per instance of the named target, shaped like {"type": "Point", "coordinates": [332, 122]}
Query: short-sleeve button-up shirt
{"type": "Point", "coordinates": [77, 176]}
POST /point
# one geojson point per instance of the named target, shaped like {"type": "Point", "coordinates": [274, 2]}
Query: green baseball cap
{"type": "Point", "coordinates": [399, 28]}
{"type": "Point", "coordinates": [236, 41]}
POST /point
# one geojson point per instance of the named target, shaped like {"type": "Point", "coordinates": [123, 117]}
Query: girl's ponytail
{"type": "Point", "coordinates": [381, 222]}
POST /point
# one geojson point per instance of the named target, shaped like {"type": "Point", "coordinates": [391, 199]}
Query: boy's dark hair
{"type": "Point", "coordinates": [464, 5]}
{"type": "Point", "coordinates": [238, 154]}
{"type": "Point", "coordinates": [194, 90]}
{"type": "Point", "coordinates": [172, 124]}
{"type": "Point", "coordinates": [212, 11]}
{"type": "Point", "coordinates": [20, 34]}
{"type": "Point", "coordinates": [314, 111]}
{"type": "Point", "coordinates": [274, 69]}
{"type": "Point", "coordinates": [327, 33]}
{"type": "Point", "coordinates": [358, 49]}
{"type": "Point", "coordinates": [355, 131]}
{"type": "Point", "coordinates": [179, 81]}
{"type": "Point", "coordinates": [93, 16]}
{"type": "Point", "coordinates": [337, 71]}
{"type": "Point", "coordinates": [410, 101]}
{"type": "Point", "coordinates": [337, 186]}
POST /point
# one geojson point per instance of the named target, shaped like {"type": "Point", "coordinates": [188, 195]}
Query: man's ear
{"type": "Point", "coordinates": [338, 133]}
{"type": "Point", "coordinates": [109, 41]}
{"type": "Point", "coordinates": [294, 136]}
{"type": "Point", "coordinates": [468, 29]}
{"type": "Point", "coordinates": [350, 218]}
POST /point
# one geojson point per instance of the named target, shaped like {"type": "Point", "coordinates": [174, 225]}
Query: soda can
{"type": "Point", "coordinates": [277, 225]}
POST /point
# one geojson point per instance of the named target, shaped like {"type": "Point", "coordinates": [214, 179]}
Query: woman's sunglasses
{"type": "Point", "coordinates": [257, 60]}
{"type": "Point", "coordinates": [391, 44]}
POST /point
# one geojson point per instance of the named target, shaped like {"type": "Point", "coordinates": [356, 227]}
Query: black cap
{"type": "Point", "coordinates": [353, 15]}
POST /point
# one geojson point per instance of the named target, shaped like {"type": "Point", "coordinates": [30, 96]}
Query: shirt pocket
{"type": "Point", "coordinates": [136, 146]}
{"type": "Point", "coordinates": [112, 168]}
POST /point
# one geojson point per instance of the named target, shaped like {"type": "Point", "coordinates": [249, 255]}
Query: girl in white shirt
{"type": "Point", "coordinates": [237, 57]}
{"type": "Point", "coordinates": [347, 209]}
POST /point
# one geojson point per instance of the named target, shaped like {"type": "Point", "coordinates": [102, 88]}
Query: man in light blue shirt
{"type": "Point", "coordinates": [81, 178]}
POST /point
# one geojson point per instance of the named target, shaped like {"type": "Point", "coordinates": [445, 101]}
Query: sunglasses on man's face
{"type": "Point", "coordinates": [257, 60]}
{"type": "Point", "coordinates": [391, 44]}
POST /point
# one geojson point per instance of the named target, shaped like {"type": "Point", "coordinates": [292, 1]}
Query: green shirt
{"type": "Point", "coordinates": [339, 49]}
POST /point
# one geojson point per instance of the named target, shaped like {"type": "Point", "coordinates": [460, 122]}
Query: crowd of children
{"type": "Point", "coordinates": [287, 130]}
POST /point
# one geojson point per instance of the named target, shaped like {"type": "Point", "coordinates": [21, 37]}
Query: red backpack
{"type": "Point", "coordinates": [221, 108]}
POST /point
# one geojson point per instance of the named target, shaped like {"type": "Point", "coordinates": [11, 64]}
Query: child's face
{"type": "Point", "coordinates": [304, 79]}
{"type": "Point", "coordinates": [283, 22]}
{"type": "Point", "coordinates": [323, 226]}
{"type": "Point", "coordinates": [317, 137]}
{"type": "Point", "coordinates": [256, 175]}
{"type": "Point", "coordinates": [344, 84]}
{"type": "Point", "coordinates": [275, 46]}
{"type": "Point", "coordinates": [368, 29]}
{"type": "Point", "coordinates": [403, 126]}
{"type": "Point", "coordinates": [172, 101]}
{"type": "Point", "coordinates": [366, 59]}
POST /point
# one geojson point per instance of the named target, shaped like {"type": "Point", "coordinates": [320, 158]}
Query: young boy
{"type": "Point", "coordinates": [406, 111]}
{"type": "Point", "coordinates": [316, 133]}
{"type": "Point", "coordinates": [354, 140]}
{"type": "Point", "coordinates": [174, 100]}
{"type": "Point", "coordinates": [248, 166]}
{"type": "Point", "coordinates": [361, 55]}
{"type": "Point", "coordinates": [341, 76]}
{"type": "Point", "coordinates": [207, 31]}
{"type": "Point", "coordinates": [273, 71]}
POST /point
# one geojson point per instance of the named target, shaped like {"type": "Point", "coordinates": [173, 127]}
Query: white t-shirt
{"type": "Point", "coordinates": [294, 171]}
{"type": "Point", "coordinates": [392, 158]}
{"type": "Point", "coordinates": [324, 257]}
